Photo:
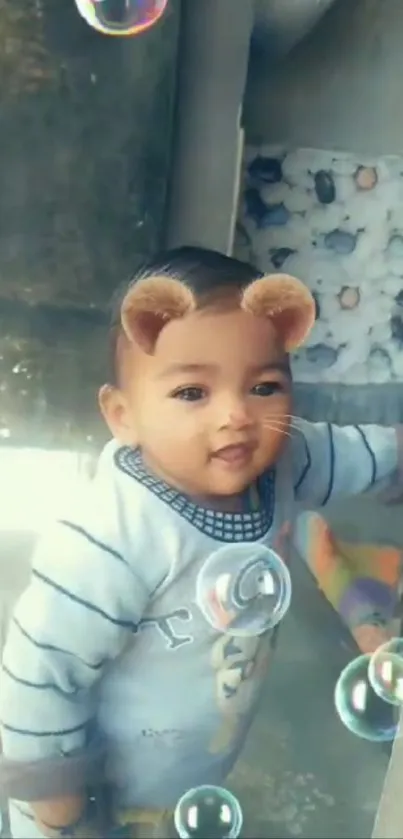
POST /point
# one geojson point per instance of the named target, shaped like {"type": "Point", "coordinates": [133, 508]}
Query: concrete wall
{"type": "Point", "coordinates": [85, 144]}
{"type": "Point", "coordinates": [340, 89]}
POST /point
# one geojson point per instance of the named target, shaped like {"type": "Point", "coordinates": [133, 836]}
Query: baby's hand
{"type": "Point", "coordinates": [88, 826]}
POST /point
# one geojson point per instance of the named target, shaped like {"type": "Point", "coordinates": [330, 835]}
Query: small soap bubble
{"type": "Point", "coordinates": [243, 589]}
{"type": "Point", "coordinates": [121, 17]}
{"type": "Point", "coordinates": [360, 709]}
{"type": "Point", "coordinates": [208, 812]}
{"type": "Point", "coordinates": [385, 671]}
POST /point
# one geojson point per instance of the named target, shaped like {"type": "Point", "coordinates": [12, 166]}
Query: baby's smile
{"type": "Point", "coordinates": [235, 455]}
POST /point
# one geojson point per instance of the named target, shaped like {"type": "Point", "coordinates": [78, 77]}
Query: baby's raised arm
{"type": "Point", "coordinates": [331, 461]}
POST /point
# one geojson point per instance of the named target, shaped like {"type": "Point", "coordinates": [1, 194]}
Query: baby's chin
{"type": "Point", "coordinates": [229, 486]}
{"type": "Point", "coordinates": [212, 480]}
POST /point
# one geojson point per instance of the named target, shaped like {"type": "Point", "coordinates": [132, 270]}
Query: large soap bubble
{"type": "Point", "coordinates": [360, 709]}
{"type": "Point", "coordinates": [243, 589]}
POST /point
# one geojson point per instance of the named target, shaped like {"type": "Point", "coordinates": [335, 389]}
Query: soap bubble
{"type": "Point", "coordinates": [121, 17]}
{"type": "Point", "coordinates": [360, 709]}
{"type": "Point", "coordinates": [385, 671]}
{"type": "Point", "coordinates": [208, 812]}
{"type": "Point", "coordinates": [243, 589]}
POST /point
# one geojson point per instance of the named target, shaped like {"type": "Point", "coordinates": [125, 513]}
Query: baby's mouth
{"type": "Point", "coordinates": [235, 455]}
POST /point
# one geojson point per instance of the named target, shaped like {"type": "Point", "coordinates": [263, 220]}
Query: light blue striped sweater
{"type": "Point", "coordinates": [118, 628]}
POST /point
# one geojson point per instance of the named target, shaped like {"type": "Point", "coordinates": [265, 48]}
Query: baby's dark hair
{"type": "Point", "coordinates": [206, 272]}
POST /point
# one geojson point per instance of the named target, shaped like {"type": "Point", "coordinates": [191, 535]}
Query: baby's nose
{"type": "Point", "coordinates": [237, 414]}
{"type": "Point", "coordinates": [239, 419]}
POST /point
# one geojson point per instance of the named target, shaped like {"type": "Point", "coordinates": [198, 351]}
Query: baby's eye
{"type": "Point", "coordinates": [189, 394]}
{"type": "Point", "coordinates": [267, 388]}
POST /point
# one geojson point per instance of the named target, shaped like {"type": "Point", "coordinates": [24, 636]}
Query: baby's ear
{"type": "Point", "coordinates": [149, 305]}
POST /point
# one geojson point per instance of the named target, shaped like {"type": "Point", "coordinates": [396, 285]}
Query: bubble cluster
{"type": "Point", "coordinates": [208, 812]}
{"type": "Point", "coordinates": [385, 671]}
{"type": "Point", "coordinates": [244, 589]}
{"type": "Point", "coordinates": [360, 708]}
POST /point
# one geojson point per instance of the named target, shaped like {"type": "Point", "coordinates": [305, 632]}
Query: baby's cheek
{"type": "Point", "coordinates": [177, 443]}
{"type": "Point", "coordinates": [273, 442]}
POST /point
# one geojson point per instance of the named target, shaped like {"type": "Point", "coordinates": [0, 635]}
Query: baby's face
{"type": "Point", "coordinates": [210, 407]}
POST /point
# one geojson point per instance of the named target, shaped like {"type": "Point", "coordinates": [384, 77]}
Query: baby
{"type": "Point", "coordinates": [135, 658]}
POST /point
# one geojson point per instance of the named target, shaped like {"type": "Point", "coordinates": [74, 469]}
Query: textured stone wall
{"type": "Point", "coordinates": [336, 221]}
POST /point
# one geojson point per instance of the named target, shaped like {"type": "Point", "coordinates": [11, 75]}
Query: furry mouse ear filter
{"type": "Point", "coordinates": [150, 304]}
{"type": "Point", "coordinates": [287, 302]}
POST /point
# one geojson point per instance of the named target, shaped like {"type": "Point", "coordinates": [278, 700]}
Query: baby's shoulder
{"type": "Point", "coordinates": [104, 518]}
{"type": "Point", "coordinates": [104, 504]}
